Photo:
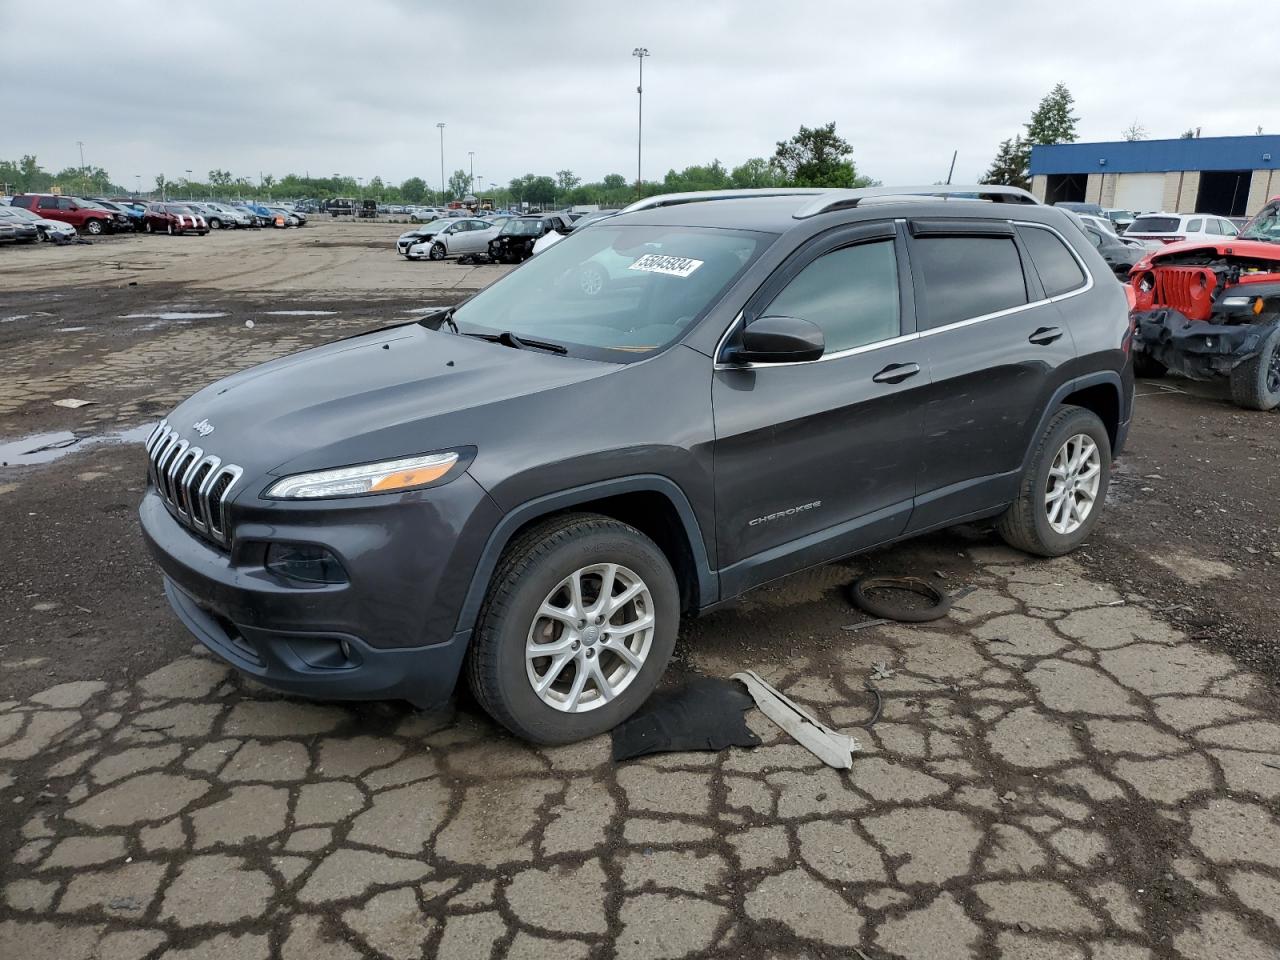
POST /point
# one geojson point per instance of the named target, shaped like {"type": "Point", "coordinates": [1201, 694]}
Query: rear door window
{"type": "Point", "coordinates": [1154, 225]}
{"type": "Point", "coordinates": [1195, 226]}
{"type": "Point", "coordinates": [851, 293]}
{"type": "Point", "coordinates": [1058, 268]}
{"type": "Point", "coordinates": [967, 277]}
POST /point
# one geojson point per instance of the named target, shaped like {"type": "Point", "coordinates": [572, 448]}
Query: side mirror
{"type": "Point", "coordinates": [777, 340]}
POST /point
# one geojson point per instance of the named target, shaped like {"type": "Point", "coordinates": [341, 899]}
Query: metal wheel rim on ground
{"type": "Point", "coordinates": [590, 638]}
{"type": "Point", "coordinates": [1072, 488]}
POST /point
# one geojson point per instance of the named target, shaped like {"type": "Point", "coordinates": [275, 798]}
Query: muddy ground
{"type": "Point", "coordinates": [1129, 813]}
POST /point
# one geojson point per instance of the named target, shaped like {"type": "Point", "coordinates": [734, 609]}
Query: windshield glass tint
{"type": "Point", "coordinates": [1154, 225]}
{"type": "Point", "coordinates": [615, 288]}
{"type": "Point", "coordinates": [522, 228]}
{"type": "Point", "coordinates": [1265, 226]}
{"type": "Point", "coordinates": [182, 211]}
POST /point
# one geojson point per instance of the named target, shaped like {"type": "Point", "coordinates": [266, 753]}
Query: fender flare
{"type": "Point", "coordinates": [1100, 378]}
{"type": "Point", "coordinates": [708, 579]}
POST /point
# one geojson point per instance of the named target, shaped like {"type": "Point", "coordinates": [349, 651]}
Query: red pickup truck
{"type": "Point", "coordinates": [86, 219]}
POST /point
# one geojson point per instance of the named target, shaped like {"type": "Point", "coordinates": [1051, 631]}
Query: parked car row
{"type": "Point", "coordinates": [498, 237]}
{"type": "Point", "coordinates": [43, 216]}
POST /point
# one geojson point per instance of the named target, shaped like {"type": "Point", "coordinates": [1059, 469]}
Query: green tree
{"type": "Point", "coordinates": [220, 178]}
{"type": "Point", "coordinates": [566, 180]}
{"type": "Point", "coordinates": [712, 176]}
{"type": "Point", "coordinates": [459, 184]}
{"type": "Point", "coordinates": [1052, 121]}
{"type": "Point", "coordinates": [818, 157]}
{"type": "Point", "coordinates": [1010, 167]}
{"type": "Point", "coordinates": [413, 190]}
{"type": "Point", "coordinates": [1187, 134]}
{"type": "Point", "coordinates": [754, 174]}
{"type": "Point", "coordinates": [614, 181]}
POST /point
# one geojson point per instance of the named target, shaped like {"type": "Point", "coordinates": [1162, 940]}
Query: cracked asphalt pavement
{"type": "Point", "coordinates": [1081, 761]}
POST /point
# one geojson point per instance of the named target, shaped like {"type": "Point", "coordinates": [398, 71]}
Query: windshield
{"type": "Point", "coordinates": [1265, 226]}
{"type": "Point", "coordinates": [18, 213]}
{"type": "Point", "coordinates": [435, 226]}
{"type": "Point", "coordinates": [615, 292]}
{"type": "Point", "coordinates": [180, 210]}
{"type": "Point", "coordinates": [522, 228]}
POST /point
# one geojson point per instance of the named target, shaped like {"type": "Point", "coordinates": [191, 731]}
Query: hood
{"type": "Point", "coordinates": [393, 392]}
{"type": "Point", "coordinates": [1230, 247]}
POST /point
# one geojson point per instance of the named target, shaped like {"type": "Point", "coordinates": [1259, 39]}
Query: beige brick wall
{"type": "Point", "coordinates": [1108, 195]}
{"type": "Point", "coordinates": [1093, 188]}
{"type": "Point", "coordinates": [1172, 188]}
{"type": "Point", "coordinates": [1189, 192]}
{"type": "Point", "coordinates": [1264, 185]}
{"type": "Point", "coordinates": [1039, 186]}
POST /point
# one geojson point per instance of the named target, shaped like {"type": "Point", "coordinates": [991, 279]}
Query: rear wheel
{"type": "Point", "coordinates": [1061, 494]}
{"type": "Point", "coordinates": [93, 228]}
{"type": "Point", "coordinates": [1255, 384]}
{"type": "Point", "coordinates": [577, 628]}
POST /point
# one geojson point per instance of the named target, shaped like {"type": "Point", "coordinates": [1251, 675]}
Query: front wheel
{"type": "Point", "coordinates": [437, 251]}
{"type": "Point", "coordinates": [1255, 384]}
{"type": "Point", "coordinates": [577, 628]}
{"type": "Point", "coordinates": [1062, 491]}
{"type": "Point", "coordinates": [171, 230]}
{"type": "Point", "coordinates": [215, 224]}
{"type": "Point", "coordinates": [93, 228]}
{"type": "Point", "coordinates": [148, 228]}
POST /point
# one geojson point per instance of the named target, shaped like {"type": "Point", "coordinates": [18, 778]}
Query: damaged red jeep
{"type": "Point", "coordinates": [1210, 310]}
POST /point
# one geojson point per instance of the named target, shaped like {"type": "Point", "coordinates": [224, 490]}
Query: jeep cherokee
{"type": "Point", "coordinates": [533, 487]}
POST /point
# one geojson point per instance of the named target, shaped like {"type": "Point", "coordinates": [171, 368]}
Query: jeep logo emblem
{"type": "Point", "coordinates": [202, 427]}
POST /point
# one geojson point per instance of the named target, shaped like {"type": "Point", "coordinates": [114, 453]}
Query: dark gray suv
{"type": "Point", "coordinates": [532, 488]}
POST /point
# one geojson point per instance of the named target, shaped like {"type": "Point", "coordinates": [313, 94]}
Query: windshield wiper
{"type": "Point", "coordinates": [509, 339]}
{"type": "Point", "coordinates": [439, 319]}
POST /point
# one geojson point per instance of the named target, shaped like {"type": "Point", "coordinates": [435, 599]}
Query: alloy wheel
{"type": "Point", "coordinates": [1072, 488]}
{"type": "Point", "coordinates": [1273, 370]}
{"type": "Point", "coordinates": [590, 638]}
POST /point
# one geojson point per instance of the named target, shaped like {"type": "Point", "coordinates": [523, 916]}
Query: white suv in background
{"type": "Point", "coordinates": [1157, 229]}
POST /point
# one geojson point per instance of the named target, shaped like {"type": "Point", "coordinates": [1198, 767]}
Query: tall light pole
{"type": "Point", "coordinates": [188, 184]}
{"type": "Point", "coordinates": [137, 185]}
{"type": "Point", "coordinates": [440, 126]}
{"type": "Point", "coordinates": [472, 155]}
{"type": "Point", "coordinates": [640, 53]}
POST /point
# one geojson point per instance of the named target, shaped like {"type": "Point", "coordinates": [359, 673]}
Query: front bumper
{"type": "Point", "coordinates": [390, 632]}
{"type": "Point", "coordinates": [1196, 348]}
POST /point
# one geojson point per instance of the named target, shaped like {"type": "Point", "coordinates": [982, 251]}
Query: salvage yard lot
{"type": "Point", "coordinates": [1082, 761]}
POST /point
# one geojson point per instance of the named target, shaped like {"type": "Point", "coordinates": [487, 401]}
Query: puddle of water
{"type": "Point", "coordinates": [47, 447]}
{"type": "Point", "coordinates": [172, 316]}
{"type": "Point", "coordinates": [300, 313]}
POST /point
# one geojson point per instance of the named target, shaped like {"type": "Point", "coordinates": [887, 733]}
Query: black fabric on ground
{"type": "Point", "coordinates": [706, 713]}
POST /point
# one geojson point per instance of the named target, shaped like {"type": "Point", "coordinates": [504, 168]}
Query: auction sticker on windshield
{"type": "Point", "coordinates": [671, 266]}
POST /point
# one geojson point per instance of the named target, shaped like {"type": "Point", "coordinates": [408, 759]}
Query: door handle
{"type": "Point", "coordinates": [897, 372]}
{"type": "Point", "coordinates": [1045, 336]}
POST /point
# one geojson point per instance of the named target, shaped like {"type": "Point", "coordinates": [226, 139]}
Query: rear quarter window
{"type": "Point", "coordinates": [1154, 225]}
{"type": "Point", "coordinates": [1057, 267]}
{"type": "Point", "coordinates": [967, 277]}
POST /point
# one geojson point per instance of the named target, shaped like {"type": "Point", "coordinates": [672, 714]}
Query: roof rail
{"type": "Point", "coordinates": [847, 199]}
{"type": "Point", "coordinates": [699, 196]}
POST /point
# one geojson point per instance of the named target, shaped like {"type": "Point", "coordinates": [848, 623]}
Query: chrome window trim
{"type": "Point", "coordinates": [893, 341]}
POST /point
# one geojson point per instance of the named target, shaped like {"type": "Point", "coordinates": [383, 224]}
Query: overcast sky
{"type": "Point", "coordinates": [324, 86]}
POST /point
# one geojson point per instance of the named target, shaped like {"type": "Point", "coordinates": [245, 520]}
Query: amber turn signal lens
{"type": "Point", "coordinates": [409, 478]}
{"type": "Point", "coordinates": [1257, 306]}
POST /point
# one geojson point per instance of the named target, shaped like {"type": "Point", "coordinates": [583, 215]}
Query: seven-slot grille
{"type": "Point", "coordinates": [193, 484]}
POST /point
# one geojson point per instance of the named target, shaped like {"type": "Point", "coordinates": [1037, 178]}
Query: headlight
{"type": "Point", "coordinates": [387, 476]}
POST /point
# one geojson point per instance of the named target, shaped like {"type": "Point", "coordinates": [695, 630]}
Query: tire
{"type": "Point", "coordinates": [534, 571]}
{"type": "Point", "coordinates": [171, 230]}
{"type": "Point", "coordinates": [148, 228]}
{"type": "Point", "coordinates": [1255, 384]}
{"type": "Point", "coordinates": [1027, 525]}
{"type": "Point", "coordinates": [437, 251]}
{"type": "Point", "coordinates": [215, 224]}
{"type": "Point", "coordinates": [1145, 365]}
{"type": "Point", "coordinates": [93, 228]}
{"type": "Point", "coordinates": [860, 592]}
